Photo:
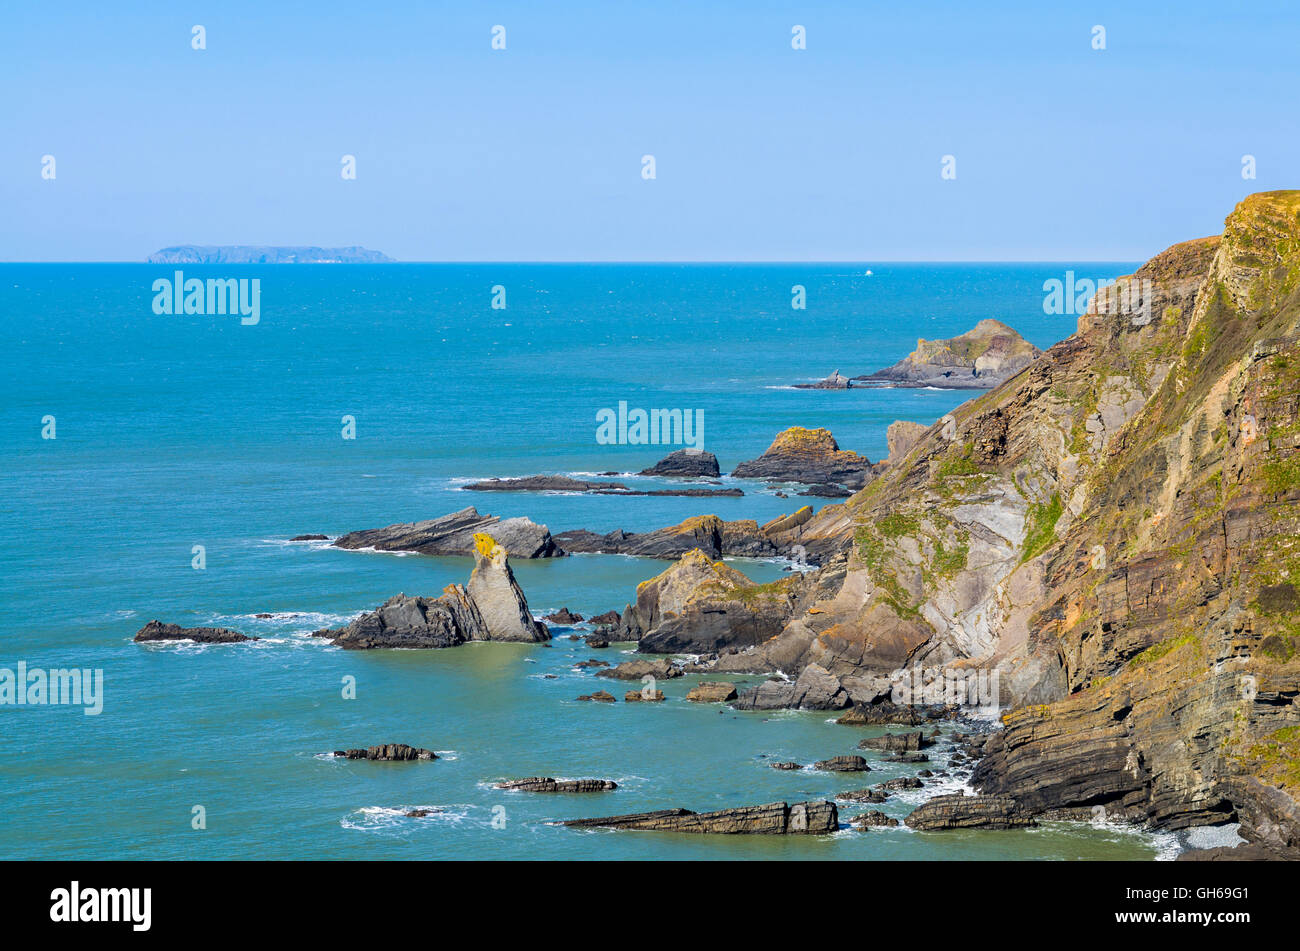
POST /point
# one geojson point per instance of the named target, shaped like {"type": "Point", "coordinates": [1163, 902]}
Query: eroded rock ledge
{"type": "Point", "coordinates": [775, 818]}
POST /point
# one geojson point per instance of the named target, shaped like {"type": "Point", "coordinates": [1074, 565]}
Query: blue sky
{"type": "Point", "coordinates": [534, 153]}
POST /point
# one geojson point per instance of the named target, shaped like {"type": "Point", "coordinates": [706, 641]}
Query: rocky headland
{"type": "Point", "coordinates": [1107, 541]}
{"type": "Point", "coordinates": [810, 456]}
{"type": "Point", "coordinates": [986, 356]}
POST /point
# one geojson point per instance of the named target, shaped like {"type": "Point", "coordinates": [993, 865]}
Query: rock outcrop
{"type": "Point", "coordinates": [158, 631]}
{"type": "Point", "coordinates": [547, 784]}
{"type": "Point", "coordinates": [685, 463]}
{"type": "Point", "coordinates": [969, 812]}
{"type": "Point", "coordinates": [775, 818]}
{"type": "Point", "coordinates": [699, 605]}
{"type": "Point", "coordinates": [491, 608]}
{"type": "Point", "coordinates": [743, 538]}
{"type": "Point", "coordinates": [554, 483]}
{"type": "Point", "coordinates": [815, 689]}
{"type": "Point", "coordinates": [836, 381]}
{"type": "Point", "coordinates": [454, 535]}
{"type": "Point", "coordinates": [388, 752]}
{"type": "Point", "coordinates": [986, 356]}
{"type": "Point", "coordinates": [712, 692]}
{"type": "Point", "coordinates": [810, 456]}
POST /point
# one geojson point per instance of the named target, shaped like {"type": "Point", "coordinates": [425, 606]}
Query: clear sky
{"type": "Point", "coordinates": [762, 152]}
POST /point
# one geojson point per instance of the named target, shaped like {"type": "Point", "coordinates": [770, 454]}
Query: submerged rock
{"type": "Point", "coordinates": [309, 538]}
{"type": "Point", "coordinates": [547, 784]}
{"type": "Point", "coordinates": [810, 456]}
{"type": "Point", "coordinates": [388, 752]}
{"type": "Point", "coordinates": [685, 463]}
{"type": "Point", "coordinates": [454, 535]}
{"type": "Point", "coordinates": [158, 631]}
{"type": "Point", "coordinates": [776, 818]}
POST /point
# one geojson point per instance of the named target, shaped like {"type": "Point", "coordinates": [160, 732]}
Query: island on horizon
{"type": "Point", "coordinates": [266, 254]}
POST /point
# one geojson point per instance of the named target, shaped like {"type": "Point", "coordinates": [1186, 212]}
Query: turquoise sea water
{"type": "Point", "coordinates": [176, 431]}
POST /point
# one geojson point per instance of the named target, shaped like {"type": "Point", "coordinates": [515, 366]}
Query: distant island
{"type": "Point", "coordinates": [254, 254]}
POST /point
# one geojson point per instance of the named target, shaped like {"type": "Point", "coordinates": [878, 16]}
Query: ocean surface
{"type": "Point", "coordinates": [177, 431]}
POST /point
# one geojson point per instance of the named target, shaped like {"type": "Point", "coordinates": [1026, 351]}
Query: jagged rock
{"type": "Point", "coordinates": [810, 456]}
{"type": "Point", "coordinates": [547, 784]}
{"type": "Point", "coordinates": [862, 795]}
{"type": "Point", "coordinates": [421, 813]}
{"type": "Point", "coordinates": [843, 764]}
{"type": "Point", "coordinates": [592, 663]}
{"type": "Point", "coordinates": [685, 463]}
{"type": "Point", "coordinates": [636, 669]}
{"type": "Point", "coordinates": [983, 357]}
{"type": "Point", "coordinates": [388, 752]}
{"type": "Point", "coordinates": [833, 382]}
{"type": "Point", "coordinates": [309, 538]}
{"type": "Point", "coordinates": [545, 483]}
{"type": "Point", "coordinates": [600, 696]}
{"type": "Point", "coordinates": [158, 631]}
{"type": "Point", "coordinates": [872, 819]}
{"type": "Point", "coordinates": [595, 641]}
{"type": "Point", "coordinates": [563, 617]}
{"type": "Point", "coordinates": [607, 619]}
{"type": "Point", "coordinates": [640, 696]}
{"type": "Point", "coordinates": [786, 766]}
{"type": "Point", "coordinates": [901, 782]}
{"type": "Point", "coordinates": [969, 812]}
{"type": "Point", "coordinates": [454, 535]}
{"type": "Point", "coordinates": [776, 818]}
{"type": "Point", "coordinates": [885, 712]}
{"type": "Point", "coordinates": [908, 758]}
{"type": "Point", "coordinates": [815, 689]}
{"type": "Point", "coordinates": [895, 742]}
{"type": "Point", "coordinates": [712, 692]}
{"type": "Point", "coordinates": [491, 608]}
{"type": "Point", "coordinates": [498, 596]}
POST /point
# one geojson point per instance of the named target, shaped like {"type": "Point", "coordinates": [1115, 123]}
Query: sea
{"type": "Point", "coordinates": [157, 466]}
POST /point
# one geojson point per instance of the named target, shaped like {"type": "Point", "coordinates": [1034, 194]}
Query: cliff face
{"type": "Point", "coordinates": [1115, 531]}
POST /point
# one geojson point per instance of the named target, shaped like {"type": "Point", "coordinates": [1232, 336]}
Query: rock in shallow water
{"type": "Point", "coordinates": [388, 752]}
{"type": "Point", "coordinates": [454, 535]}
{"type": "Point", "coordinates": [158, 631]}
{"type": "Point", "coordinates": [969, 812]}
{"type": "Point", "coordinates": [776, 818]}
{"type": "Point", "coordinates": [547, 784]}
{"type": "Point", "coordinates": [685, 463]}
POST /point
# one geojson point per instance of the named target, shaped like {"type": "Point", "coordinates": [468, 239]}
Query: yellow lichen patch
{"type": "Point", "coordinates": [697, 523]}
{"type": "Point", "coordinates": [485, 544]}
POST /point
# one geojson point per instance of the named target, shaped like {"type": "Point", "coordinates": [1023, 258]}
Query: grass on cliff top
{"type": "Point", "coordinates": [1040, 526]}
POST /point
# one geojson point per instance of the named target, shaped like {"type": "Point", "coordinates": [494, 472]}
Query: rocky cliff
{"type": "Point", "coordinates": [1113, 532]}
